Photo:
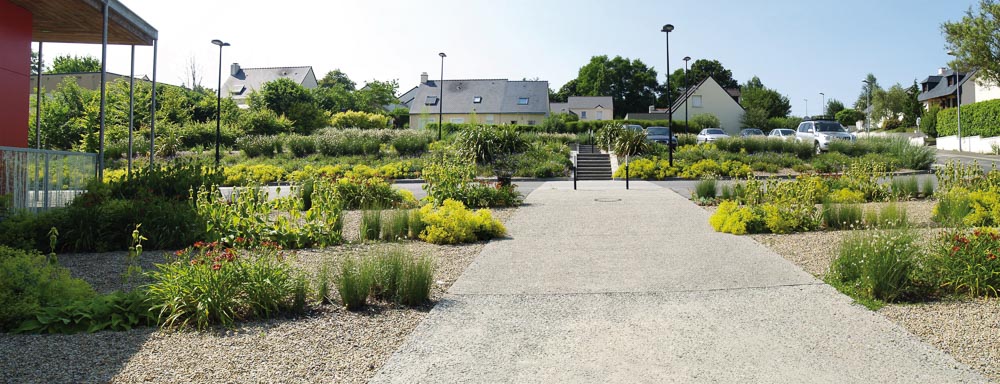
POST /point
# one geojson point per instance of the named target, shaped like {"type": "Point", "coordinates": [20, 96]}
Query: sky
{"type": "Point", "coordinates": [798, 47]}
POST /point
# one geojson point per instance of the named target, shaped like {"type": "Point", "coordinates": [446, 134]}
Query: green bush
{"type": "Point", "coordinates": [211, 284]}
{"type": "Point", "coordinates": [361, 192]}
{"type": "Point", "coordinates": [965, 262]}
{"type": "Point", "coordinates": [359, 120]}
{"type": "Point", "coordinates": [705, 120]}
{"type": "Point", "coordinates": [842, 216]}
{"type": "Point", "coordinates": [733, 218]}
{"type": "Point", "coordinates": [486, 144]}
{"type": "Point", "coordinates": [978, 119]}
{"type": "Point", "coordinates": [116, 312]}
{"type": "Point", "coordinates": [888, 217]}
{"type": "Point", "coordinates": [452, 223]}
{"type": "Point", "coordinates": [952, 207]}
{"type": "Point", "coordinates": [753, 145]}
{"type": "Point", "coordinates": [264, 122]}
{"type": "Point", "coordinates": [371, 225]}
{"type": "Point", "coordinates": [257, 145]}
{"type": "Point", "coordinates": [877, 265]}
{"type": "Point", "coordinates": [416, 281]}
{"type": "Point", "coordinates": [349, 142]}
{"type": "Point", "coordinates": [202, 135]}
{"type": "Point", "coordinates": [396, 225]}
{"type": "Point", "coordinates": [301, 146]}
{"type": "Point", "coordinates": [449, 176]}
{"type": "Point", "coordinates": [413, 143]}
{"type": "Point", "coordinates": [849, 117]}
{"type": "Point", "coordinates": [705, 189]}
{"type": "Point", "coordinates": [928, 122]}
{"type": "Point", "coordinates": [354, 283]}
{"type": "Point", "coordinates": [30, 282]}
{"type": "Point", "coordinates": [397, 276]}
{"type": "Point", "coordinates": [905, 187]}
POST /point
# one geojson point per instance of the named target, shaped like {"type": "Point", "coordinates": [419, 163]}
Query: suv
{"type": "Point", "coordinates": [661, 135]}
{"type": "Point", "coordinates": [821, 133]}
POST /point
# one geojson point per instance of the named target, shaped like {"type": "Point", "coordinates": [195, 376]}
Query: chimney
{"type": "Point", "coordinates": [423, 78]}
{"type": "Point", "coordinates": [234, 69]}
{"type": "Point", "coordinates": [941, 71]}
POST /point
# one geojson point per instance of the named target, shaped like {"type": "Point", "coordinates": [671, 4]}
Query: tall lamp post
{"type": "Point", "coordinates": [687, 127]}
{"type": "Point", "coordinates": [824, 102]}
{"type": "Point", "coordinates": [218, 104]}
{"type": "Point", "coordinates": [441, 96]}
{"type": "Point", "coordinates": [958, 106]}
{"type": "Point", "coordinates": [868, 110]}
{"type": "Point", "coordinates": [670, 107]}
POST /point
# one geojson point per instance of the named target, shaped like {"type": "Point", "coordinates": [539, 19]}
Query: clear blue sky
{"type": "Point", "coordinates": [800, 48]}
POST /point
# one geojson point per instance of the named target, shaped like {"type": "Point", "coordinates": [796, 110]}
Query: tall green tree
{"type": "Point", "coordinates": [70, 64]}
{"type": "Point", "coordinates": [975, 40]}
{"type": "Point", "coordinates": [833, 106]}
{"type": "Point", "coordinates": [762, 103]}
{"type": "Point", "coordinates": [375, 96]}
{"type": "Point", "coordinates": [630, 83]}
{"type": "Point", "coordinates": [567, 90]}
{"type": "Point", "coordinates": [869, 88]}
{"type": "Point", "coordinates": [337, 78]}
{"type": "Point", "coordinates": [700, 70]}
{"type": "Point", "coordinates": [291, 99]}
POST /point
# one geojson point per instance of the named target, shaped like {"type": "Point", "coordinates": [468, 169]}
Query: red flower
{"type": "Point", "coordinates": [976, 233]}
{"type": "Point", "coordinates": [199, 244]}
{"type": "Point", "coordinates": [955, 249]}
{"type": "Point", "coordinates": [216, 267]}
{"type": "Point", "coordinates": [194, 261]}
{"type": "Point", "coordinates": [179, 252]}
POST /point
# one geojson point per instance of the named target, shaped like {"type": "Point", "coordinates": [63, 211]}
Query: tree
{"type": "Point", "coordinates": [890, 104]}
{"type": "Point", "coordinates": [334, 99]}
{"type": "Point", "coordinates": [833, 106]}
{"type": "Point", "coordinates": [871, 84]}
{"type": "Point", "coordinates": [848, 117]}
{"type": "Point", "coordinates": [974, 40]}
{"type": "Point", "coordinates": [194, 73]}
{"type": "Point", "coordinates": [630, 83]}
{"type": "Point", "coordinates": [754, 117]}
{"type": "Point", "coordinates": [912, 108]}
{"type": "Point", "coordinates": [375, 96]}
{"type": "Point", "coordinates": [567, 90]}
{"type": "Point", "coordinates": [754, 95]}
{"type": "Point", "coordinates": [291, 99]}
{"type": "Point", "coordinates": [336, 78]}
{"type": "Point", "coordinates": [70, 64]}
{"type": "Point", "coordinates": [700, 70]}
{"type": "Point", "coordinates": [555, 97]}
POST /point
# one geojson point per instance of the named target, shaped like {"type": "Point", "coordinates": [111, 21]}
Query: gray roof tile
{"type": "Point", "coordinates": [939, 85]}
{"type": "Point", "coordinates": [497, 96]}
{"type": "Point", "coordinates": [252, 79]}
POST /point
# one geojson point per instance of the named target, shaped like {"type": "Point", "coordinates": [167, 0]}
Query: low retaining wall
{"type": "Point", "coordinates": [975, 144]}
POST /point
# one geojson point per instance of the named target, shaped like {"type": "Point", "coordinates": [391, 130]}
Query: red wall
{"type": "Point", "coordinates": [15, 72]}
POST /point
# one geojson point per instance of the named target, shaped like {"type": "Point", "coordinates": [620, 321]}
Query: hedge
{"type": "Point", "coordinates": [573, 127]}
{"type": "Point", "coordinates": [978, 119]}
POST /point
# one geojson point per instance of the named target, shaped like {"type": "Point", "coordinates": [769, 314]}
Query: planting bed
{"type": "Point", "coordinates": [328, 344]}
{"type": "Point", "coordinates": [967, 329]}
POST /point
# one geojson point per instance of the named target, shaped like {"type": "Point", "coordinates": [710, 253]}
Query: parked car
{"type": "Point", "coordinates": [661, 135]}
{"type": "Point", "coordinates": [750, 132]}
{"type": "Point", "coordinates": [711, 134]}
{"type": "Point", "coordinates": [821, 133]}
{"type": "Point", "coordinates": [782, 133]}
{"type": "Point", "coordinates": [633, 127]}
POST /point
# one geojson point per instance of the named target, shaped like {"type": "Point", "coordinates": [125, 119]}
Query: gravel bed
{"type": "Point", "coordinates": [329, 344]}
{"type": "Point", "coordinates": [967, 329]}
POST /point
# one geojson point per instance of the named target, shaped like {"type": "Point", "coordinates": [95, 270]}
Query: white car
{"type": "Point", "coordinates": [711, 134]}
{"type": "Point", "coordinates": [782, 133]}
{"type": "Point", "coordinates": [821, 133]}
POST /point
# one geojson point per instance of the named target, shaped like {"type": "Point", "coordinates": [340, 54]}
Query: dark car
{"type": "Point", "coordinates": [750, 132]}
{"type": "Point", "coordinates": [661, 135]}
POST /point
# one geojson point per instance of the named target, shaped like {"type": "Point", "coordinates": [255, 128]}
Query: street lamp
{"type": "Point", "coordinates": [218, 104]}
{"type": "Point", "coordinates": [670, 108]}
{"type": "Point", "coordinates": [687, 128]}
{"type": "Point", "coordinates": [959, 104]}
{"type": "Point", "coordinates": [824, 102]}
{"type": "Point", "coordinates": [441, 96]}
{"type": "Point", "coordinates": [807, 107]}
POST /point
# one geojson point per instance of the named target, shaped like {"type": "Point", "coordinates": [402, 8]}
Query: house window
{"type": "Point", "coordinates": [457, 120]}
{"type": "Point", "coordinates": [477, 99]}
{"type": "Point", "coordinates": [431, 100]}
{"type": "Point", "coordinates": [583, 114]}
{"type": "Point", "coordinates": [600, 115]}
{"type": "Point", "coordinates": [696, 101]}
{"type": "Point", "coordinates": [514, 122]}
{"type": "Point", "coordinates": [531, 122]}
{"type": "Point", "coordinates": [489, 119]}
{"type": "Point", "coordinates": [522, 101]}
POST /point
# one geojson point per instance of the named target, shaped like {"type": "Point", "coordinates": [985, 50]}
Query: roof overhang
{"type": "Point", "coordinates": [81, 21]}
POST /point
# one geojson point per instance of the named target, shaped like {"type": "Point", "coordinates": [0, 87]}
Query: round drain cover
{"type": "Point", "coordinates": [607, 200]}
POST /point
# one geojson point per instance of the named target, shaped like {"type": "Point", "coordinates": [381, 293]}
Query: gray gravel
{"type": "Point", "coordinates": [329, 344]}
{"type": "Point", "coordinates": [967, 329]}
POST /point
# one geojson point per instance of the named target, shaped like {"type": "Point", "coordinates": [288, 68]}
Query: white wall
{"type": "Point", "coordinates": [975, 144]}
{"type": "Point", "coordinates": [716, 101]}
{"type": "Point", "coordinates": [984, 92]}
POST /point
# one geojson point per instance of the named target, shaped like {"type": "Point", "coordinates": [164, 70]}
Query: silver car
{"type": "Point", "coordinates": [661, 135]}
{"type": "Point", "coordinates": [821, 133]}
{"type": "Point", "coordinates": [782, 133]}
{"type": "Point", "coordinates": [711, 134]}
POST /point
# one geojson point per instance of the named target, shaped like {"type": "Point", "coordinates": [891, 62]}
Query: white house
{"type": "Point", "coordinates": [587, 108]}
{"type": "Point", "coordinates": [941, 89]}
{"type": "Point", "coordinates": [705, 97]}
{"type": "Point", "coordinates": [242, 81]}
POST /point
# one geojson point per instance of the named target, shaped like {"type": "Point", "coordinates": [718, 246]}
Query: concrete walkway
{"type": "Point", "coordinates": [605, 285]}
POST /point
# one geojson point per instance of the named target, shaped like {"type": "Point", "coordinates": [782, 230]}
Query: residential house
{"type": "Point", "coordinates": [941, 89]}
{"type": "Point", "coordinates": [587, 108]}
{"type": "Point", "coordinates": [243, 81]}
{"type": "Point", "coordinates": [488, 101]}
{"type": "Point", "coordinates": [705, 97]}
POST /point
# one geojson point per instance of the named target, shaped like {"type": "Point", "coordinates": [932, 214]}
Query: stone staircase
{"type": "Point", "coordinates": [592, 164]}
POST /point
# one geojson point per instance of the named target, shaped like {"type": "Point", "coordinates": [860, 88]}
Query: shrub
{"type": "Point", "coordinates": [416, 224]}
{"type": "Point", "coordinates": [371, 225]}
{"type": "Point", "coordinates": [411, 143]}
{"type": "Point", "coordinates": [965, 262]}
{"type": "Point", "coordinates": [849, 117]}
{"type": "Point", "coordinates": [256, 174]}
{"type": "Point", "coordinates": [978, 119]}
{"type": "Point", "coordinates": [705, 120]}
{"type": "Point", "coordinates": [846, 195]}
{"type": "Point", "coordinates": [416, 281]}
{"type": "Point", "coordinates": [368, 192]}
{"type": "Point", "coordinates": [952, 207]}
{"type": "Point", "coordinates": [877, 265]}
{"type": "Point", "coordinates": [116, 312]}
{"type": "Point", "coordinates": [842, 216]}
{"type": "Point", "coordinates": [396, 226]}
{"type": "Point", "coordinates": [387, 271]}
{"type": "Point", "coordinates": [928, 122]}
{"type": "Point", "coordinates": [210, 284]}
{"type": "Point", "coordinates": [736, 219]}
{"type": "Point", "coordinates": [360, 120]}
{"type": "Point", "coordinates": [449, 175]}
{"type": "Point", "coordinates": [452, 223]}
{"type": "Point", "coordinates": [905, 187]}
{"type": "Point", "coordinates": [264, 122]}
{"type": "Point", "coordinates": [754, 145]}
{"type": "Point", "coordinates": [30, 282]}
{"type": "Point", "coordinates": [889, 216]}
{"type": "Point", "coordinates": [354, 283]}
{"type": "Point", "coordinates": [349, 142]}
{"type": "Point", "coordinates": [257, 145]}
{"type": "Point", "coordinates": [705, 189]}
{"type": "Point", "coordinates": [301, 146]}
{"type": "Point", "coordinates": [486, 144]}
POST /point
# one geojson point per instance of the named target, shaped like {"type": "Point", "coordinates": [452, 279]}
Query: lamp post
{"type": "Point", "coordinates": [687, 128]}
{"type": "Point", "coordinates": [868, 110]}
{"type": "Point", "coordinates": [807, 107]}
{"type": "Point", "coordinates": [218, 104]}
{"type": "Point", "coordinates": [670, 108]}
{"type": "Point", "coordinates": [824, 103]}
{"type": "Point", "coordinates": [958, 105]}
{"type": "Point", "coordinates": [441, 96]}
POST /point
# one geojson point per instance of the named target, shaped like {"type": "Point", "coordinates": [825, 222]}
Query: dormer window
{"type": "Point", "coordinates": [431, 100]}
{"type": "Point", "coordinates": [522, 101]}
{"type": "Point", "coordinates": [477, 99]}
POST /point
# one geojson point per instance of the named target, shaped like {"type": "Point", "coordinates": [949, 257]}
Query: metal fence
{"type": "Point", "coordinates": [36, 180]}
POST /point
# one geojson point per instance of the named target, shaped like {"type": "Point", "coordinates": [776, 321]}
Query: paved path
{"type": "Point", "coordinates": [605, 285]}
